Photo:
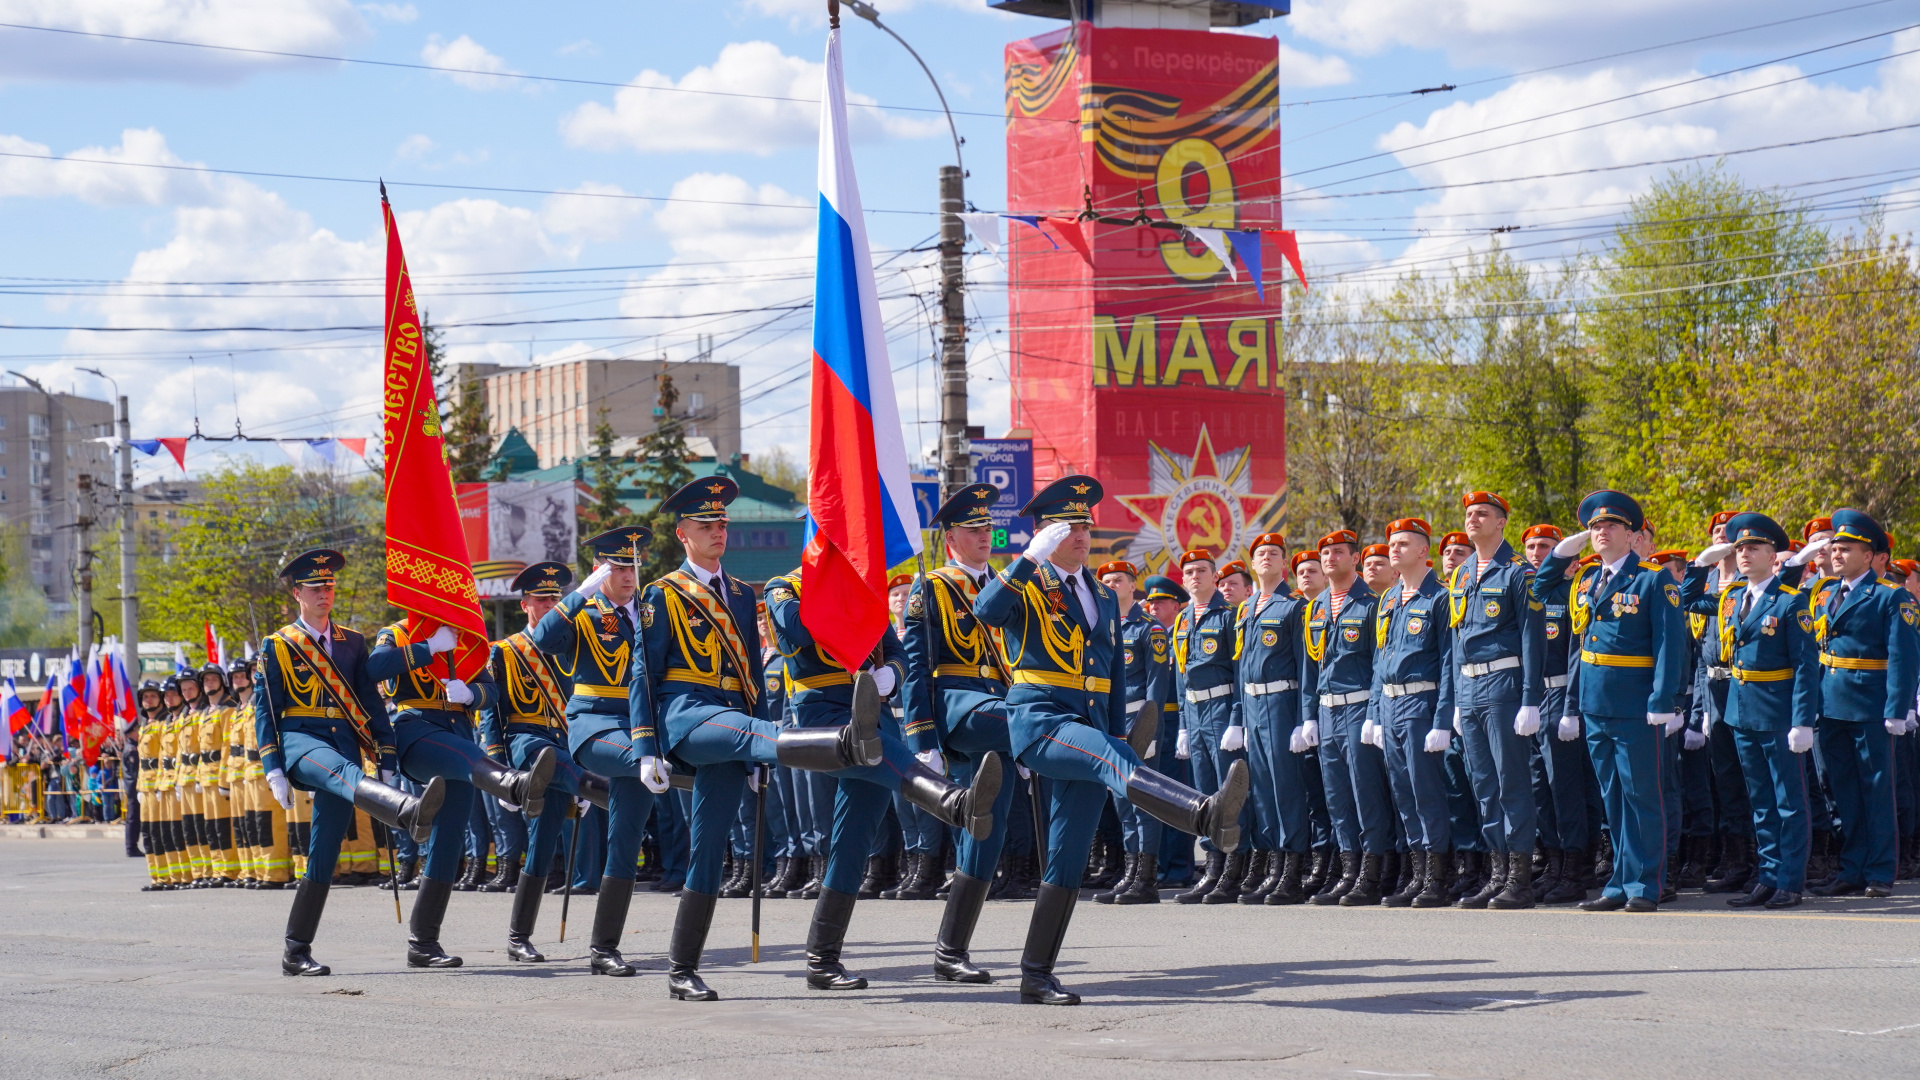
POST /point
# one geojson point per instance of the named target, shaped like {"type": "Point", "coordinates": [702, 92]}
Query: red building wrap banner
{"type": "Point", "coordinates": [1138, 355]}
{"type": "Point", "coordinates": [429, 575]}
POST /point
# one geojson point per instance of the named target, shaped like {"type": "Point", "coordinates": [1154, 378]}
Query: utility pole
{"type": "Point", "coordinates": [83, 522]}
{"type": "Point", "coordinates": [956, 461]}
{"type": "Point", "coordinates": [129, 604]}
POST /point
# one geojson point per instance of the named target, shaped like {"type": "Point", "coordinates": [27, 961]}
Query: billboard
{"type": "Point", "coordinates": [513, 524]}
{"type": "Point", "coordinates": [1144, 359]}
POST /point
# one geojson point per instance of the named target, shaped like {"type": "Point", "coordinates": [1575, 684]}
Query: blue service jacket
{"type": "Point", "coordinates": [287, 686]}
{"type": "Point", "coordinates": [693, 667]}
{"type": "Point", "coordinates": [1269, 647]}
{"type": "Point", "coordinates": [1415, 644]}
{"type": "Point", "coordinates": [1065, 670]}
{"type": "Point", "coordinates": [952, 664]}
{"type": "Point", "coordinates": [1202, 640]}
{"type": "Point", "coordinates": [1496, 617]}
{"type": "Point", "coordinates": [1340, 652]}
{"type": "Point", "coordinates": [1556, 628]}
{"type": "Point", "coordinates": [1868, 648]}
{"type": "Point", "coordinates": [1775, 681]}
{"type": "Point", "coordinates": [596, 645]}
{"type": "Point", "coordinates": [772, 706]}
{"type": "Point", "coordinates": [1144, 645]}
{"type": "Point", "coordinates": [517, 704]}
{"type": "Point", "coordinates": [419, 695]}
{"type": "Point", "coordinates": [822, 690]}
{"type": "Point", "coordinates": [1633, 640]}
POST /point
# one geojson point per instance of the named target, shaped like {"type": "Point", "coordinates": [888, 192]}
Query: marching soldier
{"type": "Point", "coordinates": [1269, 633]}
{"type": "Point", "coordinates": [1338, 686]}
{"type": "Point", "coordinates": [1764, 633]}
{"type": "Point", "coordinates": [320, 721]}
{"type": "Point", "coordinates": [1414, 698]}
{"type": "Point", "coordinates": [1067, 710]}
{"type": "Point", "coordinates": [1149, 662]}
{"type": "Point", "coordinates": [1205, 685]}
{"type": "Point", "coordinates": [593, 635]}
{"type": "Point", "coordinates": [1865, 628]}
{"type": "Point", "coordinates": [525, 722]}
{"type": "Point", "coordinates": [955, 690]}
{"type": "Point", "coordinates": [1633, 653]}
{"type": "Point", "coordinates": [1498, 642]}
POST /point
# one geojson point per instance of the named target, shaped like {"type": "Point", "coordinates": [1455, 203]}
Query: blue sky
{"type": "Point", "coordinates": [94, 245]}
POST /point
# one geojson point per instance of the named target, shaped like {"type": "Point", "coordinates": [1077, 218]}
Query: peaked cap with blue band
{"type": "Point", "coordinates": [1608, 505]}
{"type": "Point", "coordinates": [968, 508]}
{"type": "Point", "coordinates": [1070, 498]}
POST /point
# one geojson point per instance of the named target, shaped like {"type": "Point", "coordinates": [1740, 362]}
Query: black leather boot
{"type": "Point", "coordinates": [1145, 886]}
{"type": "Point", "coordinates": [1315, 878]}
{"type": "Point", "coordinates": [825, 938]}
{"type": "Point", "coordinates": [1467, 869]}
{"type": "Point", "coordinates": [594, 789]}
{"type": "Point", "coordinates": [1052, 911]}
{"type": "Point", "coordinates": [470, 880]}
{"type": "Point", "coordinates": [689, 940]}
{"type": "Point", "coordinates": [1216, 865]}
{"type": "Point", "coordinates": [928, 877]}
{"type": "Point", "coordinates": [1366, 888]}
{"type": "Point", "coordinates": [1739, 868]}
{"type": "Point", "coordinates": [1269, 880]}
{"type": "Point", "coordinates": [1572, 886]}
{"type": "Point", "coordinates": [423, 932]}
{"type": "Point", "coordinates": [524, 788]}
{"type": "Point", "coordinates": [1390, 863]}
{"type": "Point", "coordinates": [303, 920]}
{"type": "Point", "coordinates": [1227, 889]}
{"type": "Point", "coordinates": [393, 807]}
{"type": "Point", "coordinates": [609, 922]}
{"type": "Point", "coordinates": [969, 808]}
{"type": "Point", "coordinates": [740, 883]}
{"type": "Point", "coordinates": [1410, 888]}
{"type": "Point", "coordinates": [912, 869]}
{"type": "Point", "coordinates": [1517, 892]}
{"type": "Point", "coordinates": [775, 887]}
{"type": "Point", "coordinates": [1546, 882]}
{"type": "Point", "coordinates": [1132, 867]}
{"type": "Point", "coordinates": [1693, 856]}
{"type": "Point", "coordinates": [817, 871]}
{"type": "Point", "coordinates": [1490, 886]}
{"type": "Point", "coordinates": [520, 921]}
{"type": "Point", "coordinates": [1437, 888]}
{"type": "Point", "coordinates": [1216, 816]}
{"type": "Point", "coordinates": [506, 875]}
{"type": "Point", "coordinates": [1289, 889]}
{"type": "Point", "coordinates": [951, 961]}
{"type": "Point", "coordinates": [855, 744]}
{"type": "Point", "coordinates": [871, 884]}
{"type": "Point", "coordinates": [1338, 887]}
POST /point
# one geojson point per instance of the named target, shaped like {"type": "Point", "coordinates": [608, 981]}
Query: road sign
{"type": "Point", "coordinates": [1008, 465]}
{"type": "Point", "coordinates": [926, 499]}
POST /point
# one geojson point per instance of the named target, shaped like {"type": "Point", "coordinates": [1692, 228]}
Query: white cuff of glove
{"type": "Point", "coordinates": [1527, 721]}
{"type": "Point", "coordinates": [1370, 734]}
{"type": "Point", "coordinates": [1438, 740]}
{"type": "Point", "coordinates": [1024, 772]}
{"type": "Point", "coordinates": [1660, 719]}
{"type": "Point", "coordinates": [1569, 728]}
{"type": "Point", "coordinates": [282, 791]}
{"type": "Point", "coordinates": [933, 759]}
{"type": "Point", "coordinates": [1235, 738]}
{"type": "Point", "coordinates": [442, 640]}
{"type": "Point", "coordinates": [1297, 742]}
{"type": "Point", "coordinates": [1572, 545]}
{"type": "Point", "coordinates": [1805, 555]}
{"type": "Point", "coordinates": [1712, 555]}
{"type": "Point", "coordinates": [594, 580]}
{"type": "Point", "coordinates": [653, 773]}
{"type": "Point", "coordinates": [1310, 733]}
{"type": "Point", "coordinates": [1800, 739]}
{"type": "Point", "coordinates": [1896, 725]}
{"type": "Point", "coordinates": [458, 692]}
{"type": "Point", "coordinates": [1047, 541]}
{"type": "Point", "coordinates": [883, 680]}
{"type": "Point", "coordinates": [1181, 747]}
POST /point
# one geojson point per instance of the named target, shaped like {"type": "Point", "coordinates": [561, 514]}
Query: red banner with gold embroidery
{"type": "Point", "coordinates": [429, 574]}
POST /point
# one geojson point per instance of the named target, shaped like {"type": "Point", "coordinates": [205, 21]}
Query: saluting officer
{"type": "Point", "coordinates": [1205, 682]}
{"type": "Point", "coordinates": [1625, 689]}
{"type": "Point", "coordinates": [1413, 700]}
{"type": "Point", "coordinates": [1764, 634]}
{"type": "Point", "coordinates": [1269, 639]}
{"type": "Point", "coordinates": [1865, 627]}
{"type": "Point", "coordinates": [1149, 662]}
{"type": "Point", "coordinates": [955, 693]}
{"type": "Point", "coordinates": [1338, 685]}
{"type": "Point", "coordinates": [1498, 647]}
{"type": "Point", "coordinates": [1067, 711]}
{"type": "Point", "coordinates": [320, 722]}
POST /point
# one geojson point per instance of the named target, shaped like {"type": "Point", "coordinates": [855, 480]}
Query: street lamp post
{"type": "Point", "coordinates": [129, 600]}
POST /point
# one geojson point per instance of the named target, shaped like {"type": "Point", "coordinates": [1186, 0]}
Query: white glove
{"type": "Point", "coordinates": [1152, 749]}
{"type": "Point", "coordinates": [595, 580]}
{"type": "Point", "coordinates": [1694, 740]}
{"type": "Point", "coordinates": [1234, 739]}
{"type": "Point", "coordinates": [1706, 722]}
{"type": "Point", "coordinates": [933, 759]}
{"type": "Point", "coordinates": [1913, 720]}
{"type": "Point", "coordinates": [386, 777]}
{"type": "Point", "coordinates": [1805, 555]}
{"type": "Point", "coordinates": [442, 640]}
{"type": "Point", "coordinates": [1370, 734]}
{"type": "Point", "coordinates": [282, 791]}
{"type": "Point", "coordinates": [511, 808]}
{"type": "Point", "coordinates": [197, 789]}
{"type": "Point", "coordinates": [1022, 770]}
{"type": "Point", "coordinates": [1569, 728]}
{"type": "Point", "coordinates": [653, 773]}
{"type": "Point", "coordinates": [1800, 739]}
{"type": "Point", "coordinates": [1180, 748]}
{"type": "Point", "coordinates": [753, 778]}
{"type": "Point", "coordinates": [1047, 541]}
{"type": "Point", "coordinates": [1660, 719]}
{"type": "Point", "coordinates": [1458, 715]}
{"type": "Point", "coordinates": [458, 692]}
{"type": "Point", "coordinates": [1297, 742]}
{"type": "Point", "coordinates": [1672, 721]}
{"type": "Point", "coordinates": [1896, 725]}
{"type": "Point", "coordinates": [1713, 554]}
{"type": "Point", "coordinates": [1310, 733]}
{"type": "Point", "coordinates": [583, 806]}
{"type": "Point", "coordinates": [883, 680]}
{"type": "Point", "coordinates": [1572, 545]}
{"type": "Point", "coordinates": [1527, 721]}
{"type": "Point", "coordinates": [1438, 741]}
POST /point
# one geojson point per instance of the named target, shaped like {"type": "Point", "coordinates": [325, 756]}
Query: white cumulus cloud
{"type": "Point", "coordinates": [310, 26]}
{"type": "Point", "coordinates": [467, 62]}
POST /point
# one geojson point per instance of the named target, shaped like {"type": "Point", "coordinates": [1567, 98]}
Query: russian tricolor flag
{"type": "Point", "coordinates": [16, 713]}
{"type": "Point", "coordinates": [861, 514]}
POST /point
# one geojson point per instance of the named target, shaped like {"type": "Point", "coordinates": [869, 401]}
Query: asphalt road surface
{"type": "Point", "coordinates": [98, 979]}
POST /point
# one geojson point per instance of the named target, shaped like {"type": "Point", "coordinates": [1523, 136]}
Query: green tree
{"type": "Point", "coordinates": [609, 473]}
{"type": "Point", "coordinates": [663, 470]}
{"type": "Point", "coordinates": [23, 608]}
{"type": "Point", "coordinates": [469, 433]}
{"type": "Point", "coordinates": [783, 470]}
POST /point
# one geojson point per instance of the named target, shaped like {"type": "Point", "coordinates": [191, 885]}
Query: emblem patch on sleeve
{"type": "Point", "coordinates": [1673, 594]}
{"type": "Point", "coordinates": [917, 606]}
{"type": "Point", "coordinates": [1806, 622]}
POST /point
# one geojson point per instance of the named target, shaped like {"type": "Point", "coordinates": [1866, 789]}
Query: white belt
{"type": "Point", "coordinates": [1554, 682]}
{"type": "Point", "coordinates": [1474, 671]}
{"type": "Point", "coordinates": [1195, 697]}
{"type": "Point", "coordinates": [1355, 698]}
{"type": "Point", "coordinates": [1405, 688]}
{"type": "Point", "coordinates": [1278, 686]}
{"type": "Point", "coordinates": [1720, 674]}
{"type": "Point", "coordinates": [1135, 706]}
